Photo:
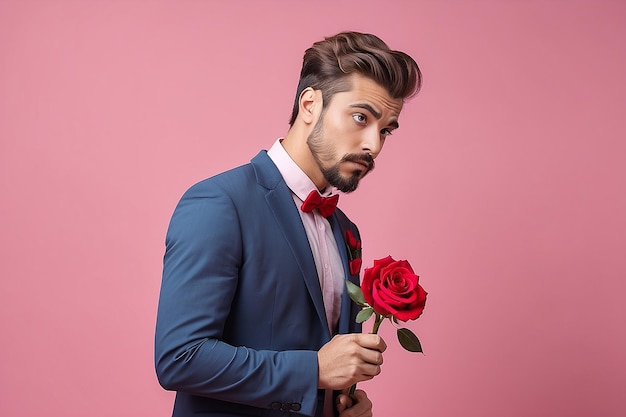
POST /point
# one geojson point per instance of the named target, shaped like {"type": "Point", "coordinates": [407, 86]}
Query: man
{"type": "Point", "coordinates": [253, 318]}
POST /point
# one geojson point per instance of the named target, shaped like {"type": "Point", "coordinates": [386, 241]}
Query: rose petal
{"type": "Point", "coordinates": [350, 238]}
{"type": "Point", "coordinates": [392, 288]}
{"type": "Point", "coordinates": [355, 266]}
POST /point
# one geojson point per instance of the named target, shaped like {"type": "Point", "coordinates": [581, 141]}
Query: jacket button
{"type": "Point", "coordinates": [276, 405]}
{"type": "Point", "coordinates": [295, 407]}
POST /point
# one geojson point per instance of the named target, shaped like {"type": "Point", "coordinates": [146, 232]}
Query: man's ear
{"type": "Point", "coordinates": [310, 105]}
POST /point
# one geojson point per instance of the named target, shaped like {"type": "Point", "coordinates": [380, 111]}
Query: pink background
{"type": "Point", "coordinates": [505, 187]}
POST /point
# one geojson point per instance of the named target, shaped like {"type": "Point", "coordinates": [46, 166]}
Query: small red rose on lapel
{"type": "Point", "coordinates": [355, 266]}
{"type": "Point", "coordinates": [354, 252]}
{"type": "Point", "coordinates": [351, 240]}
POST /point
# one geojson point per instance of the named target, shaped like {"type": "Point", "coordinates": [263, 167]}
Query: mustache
{"type": "Point", "coordinates": [364, 158]}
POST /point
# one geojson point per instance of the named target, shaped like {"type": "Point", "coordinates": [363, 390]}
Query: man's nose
{"type": "Point", "coordinates": [373, 144]}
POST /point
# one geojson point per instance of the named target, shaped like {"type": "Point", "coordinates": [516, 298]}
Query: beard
{"type": "Point", "coordinates": [332, 174]}
{"type": "Point", "coordinates": [345, 184]}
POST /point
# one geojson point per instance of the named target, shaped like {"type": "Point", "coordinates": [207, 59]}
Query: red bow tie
{"type": "Point", "coordinates": [326, 205]}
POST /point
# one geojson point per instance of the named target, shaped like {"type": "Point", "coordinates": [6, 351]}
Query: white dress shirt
{"type": "Point", "coordinates": [323, 245]}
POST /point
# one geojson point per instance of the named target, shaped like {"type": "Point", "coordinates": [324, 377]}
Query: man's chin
{"type": "Point", "coordinates": [347, 185]}
{"type": "Point", "coordinates": [346, 181]}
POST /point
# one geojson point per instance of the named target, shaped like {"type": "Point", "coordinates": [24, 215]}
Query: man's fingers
{"type": "Point", "coordinates": [348, 359]}
{"type": "Point", "coordinates": [361, 408]}
{"type": "Point", "coordinates": [372, 341]}
{"type": "Point", "coordinates": [343, 402]}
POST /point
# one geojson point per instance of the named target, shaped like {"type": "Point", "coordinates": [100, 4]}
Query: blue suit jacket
{"type": "Point", "coordinates": [241, 314]}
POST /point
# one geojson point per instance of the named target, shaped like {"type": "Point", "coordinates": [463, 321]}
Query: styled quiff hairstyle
{"type": "Point", "coordinates": [329, 63]}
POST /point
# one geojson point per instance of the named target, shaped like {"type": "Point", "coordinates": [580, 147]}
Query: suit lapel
{"type": "Point", "coordinates": [281, 203]}
{"type": "Point", "coordinates": [346, 317]}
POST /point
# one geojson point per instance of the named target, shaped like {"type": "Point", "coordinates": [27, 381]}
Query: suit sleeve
{"type": "Point", "coordinates": [200, 273]}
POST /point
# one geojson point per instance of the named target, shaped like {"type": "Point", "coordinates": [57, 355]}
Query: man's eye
{"type": "Point", "coordinates": [386, 132]}
{"type": "Point", "coordinates": [359, 118]}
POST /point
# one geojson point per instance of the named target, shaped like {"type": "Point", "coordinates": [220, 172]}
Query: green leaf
{"type": "Point", "coordinates": [364, 314]}
{"type": "Point", "coordinates": [409, 341]}
{"type": "Point", "coordinates": [355, 293]}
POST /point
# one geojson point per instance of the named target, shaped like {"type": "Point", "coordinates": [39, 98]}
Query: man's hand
{"type": "Point", "coordinates": [363, 407]}
{"type": "Point", "coordinates": [348, 359]}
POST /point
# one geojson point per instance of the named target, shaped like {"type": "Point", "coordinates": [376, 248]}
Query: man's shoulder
{"type": "Point", "coordinates": [238, 173]}
{"type": "Point", "coordinates": [231, 180]}
{"type": "Point", "coordinates": [240, 178]}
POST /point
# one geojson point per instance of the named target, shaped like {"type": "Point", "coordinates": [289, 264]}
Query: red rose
{"type": "Point", "coordinates": [354, 252]}
{"type": "Point", "coordinates": [355, 266]}
{"type": "Point", "coordinates": [391, 287]}
{"type": "Point", "coordinates": [353, 242]}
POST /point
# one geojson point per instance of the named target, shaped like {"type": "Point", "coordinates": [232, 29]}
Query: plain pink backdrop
{"type": "Point", "coordinates": [505, 187]}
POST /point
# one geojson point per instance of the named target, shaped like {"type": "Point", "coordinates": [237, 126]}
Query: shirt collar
{"type": "Point", "coordinates": [297, 181]}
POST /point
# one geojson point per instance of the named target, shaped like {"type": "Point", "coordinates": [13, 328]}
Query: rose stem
{"type": "Point", "coordinates": [377, 322]}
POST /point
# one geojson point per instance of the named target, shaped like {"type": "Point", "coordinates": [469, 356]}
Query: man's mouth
{"type": "Point", "coordinates": [362, 163]}
{"type": "Point", "coordinates": [367, 162]}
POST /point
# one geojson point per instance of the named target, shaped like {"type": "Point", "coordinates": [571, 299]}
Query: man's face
{"type": "Point", "coordinates": [351, 132]}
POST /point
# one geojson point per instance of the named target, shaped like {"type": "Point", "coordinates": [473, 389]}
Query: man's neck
{"type": "Point", "coordinates": [296, 146]}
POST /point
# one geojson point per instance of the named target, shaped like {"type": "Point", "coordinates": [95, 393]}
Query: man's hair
{"type": "Point", "coordinates": [329, 63]}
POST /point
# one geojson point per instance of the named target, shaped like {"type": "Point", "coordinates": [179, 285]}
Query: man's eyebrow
{"type": "Point", "coordinates": [368, 108]}
{"type": "Point", "coordinates": [375, 113]}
